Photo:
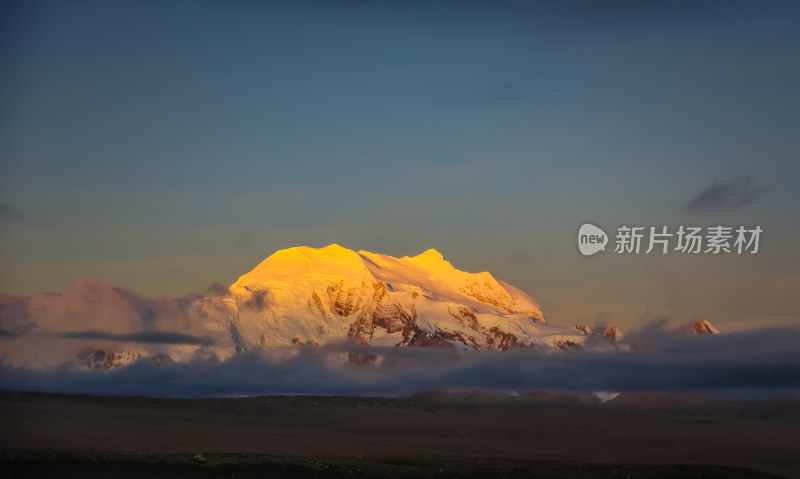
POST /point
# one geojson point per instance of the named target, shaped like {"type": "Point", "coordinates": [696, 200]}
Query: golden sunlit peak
{"type": "Point", "coordinates": [305, 250]}
{"type": "Point", "coordinates": [429, 255]}
{"type": "Point", "coordinates": [430, 259]}
{"type": "Point", "coordinates": [332, 252]}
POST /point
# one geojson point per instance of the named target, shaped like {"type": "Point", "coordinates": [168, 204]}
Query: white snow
{"type": "Point", "coordinates": [309, 294]}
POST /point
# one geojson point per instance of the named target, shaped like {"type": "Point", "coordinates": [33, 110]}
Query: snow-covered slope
{"type": "Point", "coordinates": [308, 295]}
{"type": "Point", "coordinates": [296, 296]}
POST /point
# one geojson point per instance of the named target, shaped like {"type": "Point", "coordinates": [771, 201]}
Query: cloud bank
{"type": "Point", "coordinates": [756, 363]}
{"type": "Point", "coordinates": [43, 336]}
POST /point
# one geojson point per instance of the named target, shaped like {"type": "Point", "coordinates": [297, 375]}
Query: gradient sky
{"type": "Point", "coordinates": [164, 146]}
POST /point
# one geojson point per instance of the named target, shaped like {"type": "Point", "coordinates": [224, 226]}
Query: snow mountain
{"type": "Point", "coordinates": [307, 295]}
{"type": "Point", "coordinates": [297, 296]}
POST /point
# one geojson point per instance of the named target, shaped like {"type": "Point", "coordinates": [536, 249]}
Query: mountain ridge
{"type": "Point", "coordinates": [297, 296]}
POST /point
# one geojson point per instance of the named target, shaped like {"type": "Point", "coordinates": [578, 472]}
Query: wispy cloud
{"type": "Point", "coordinates": [724, 197]}
{"type": "Point", "coordinates": [15, 333]}
{"type": "Point", "coordinates": [7, 213]}
{"type": "Point", "coordinates": [217, 289]}
{"type": "Point", "coordinates": [146, 337]}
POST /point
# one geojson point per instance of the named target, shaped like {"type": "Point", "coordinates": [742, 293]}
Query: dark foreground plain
{"type": "Point", "coordinates": [52, 435]}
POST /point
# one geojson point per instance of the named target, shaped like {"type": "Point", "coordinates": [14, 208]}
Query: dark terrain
{"type": "Point", "coordinates": [47, 435]}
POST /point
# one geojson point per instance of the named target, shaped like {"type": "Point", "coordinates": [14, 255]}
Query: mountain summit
{"type": "Point", "coordinates": [310, 295]}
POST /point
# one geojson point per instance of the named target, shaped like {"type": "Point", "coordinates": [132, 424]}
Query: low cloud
{"type": "Point", "coordinates": [724, 197]}
{"type": "Point", "coordinates": [760, 363]}
{"type": "Point", "coordinates": [42, 336]}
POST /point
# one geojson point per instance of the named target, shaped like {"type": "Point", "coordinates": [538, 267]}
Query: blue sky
{"type": "Point", "coordinates": [164, 146]}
